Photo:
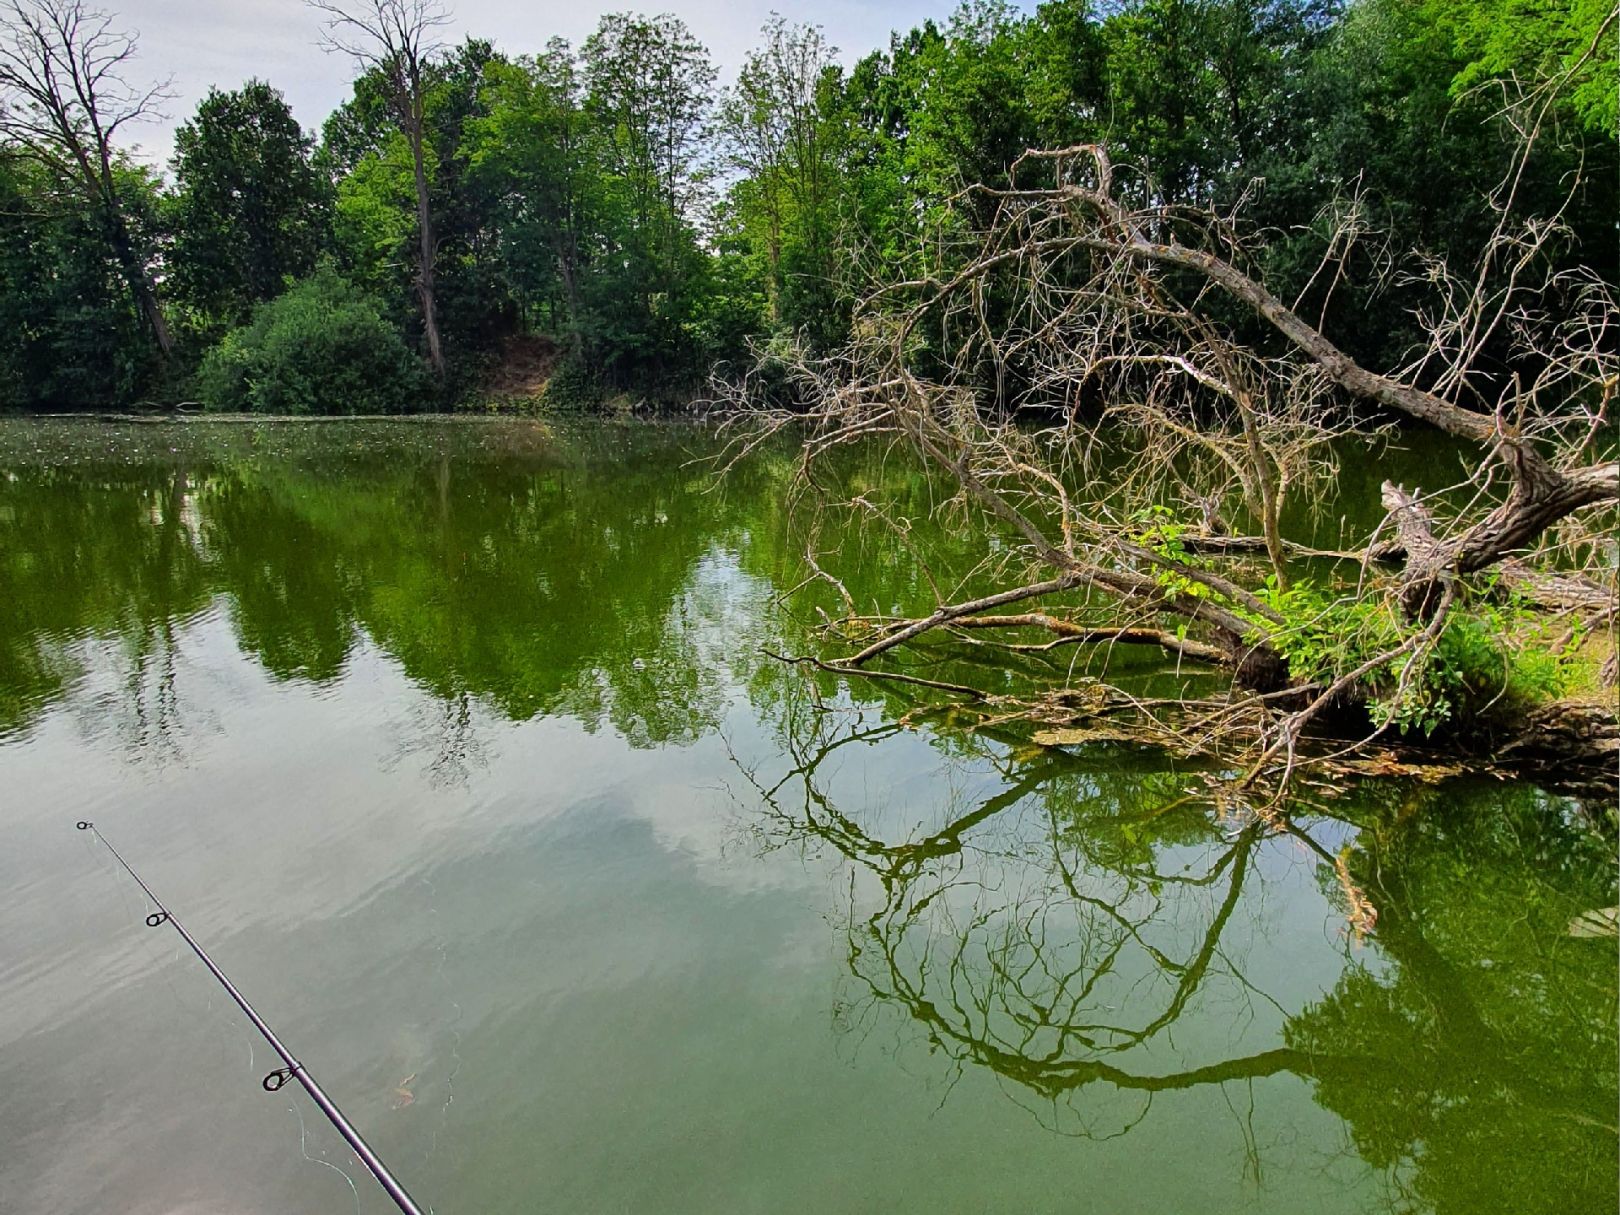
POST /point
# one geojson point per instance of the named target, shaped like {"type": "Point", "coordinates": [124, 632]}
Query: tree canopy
{"type": "Point", "coordinates": [652, 222]}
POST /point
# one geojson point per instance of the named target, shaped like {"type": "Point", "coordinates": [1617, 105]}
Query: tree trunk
{"type": "Point", "coordinates": [152, 309]}
{"type": "Point", "coordinates": [427, 254]}
{"type": "Point", "coordinates": [140, 284]}
{"type": "Point", "coordinates": [1541, 496]}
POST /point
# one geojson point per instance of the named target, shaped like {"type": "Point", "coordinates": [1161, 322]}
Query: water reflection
{"type": "Point", "coordinates": [88, 554]}
{"type": "Point", "coordinates": [1498, 1027]}
{"type": "Point", "coordinates": [1085, 931]}
{"type": "Point", "coordinates": [1075, 928]}
{"type": "Point", "coordinates": [523, 579]}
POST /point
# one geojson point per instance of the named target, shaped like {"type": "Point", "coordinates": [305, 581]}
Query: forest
{"type": "Point", "coordinates": [614, 221]}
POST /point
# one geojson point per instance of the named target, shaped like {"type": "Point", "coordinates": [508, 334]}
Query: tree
{"type": "Point", "coordinates": [1117, 326]}
{"type": "Point", "coordinates": [63, 102]}
{"type": "Point", "coordinates": [71, 336]}
{"type": "Point", "coordinates": [648, 88]}
{"type": "Point", "coordinates": [1068, 82]}
{"type": "Point", "coordinates": [249, 211]}
{"type": "Point", "coordinates": [1199, 88]}
{"type": "Point", "coordinates": [394, 39]}
{"type": "Point", "coordinates": [536, 158]}
{"type": "Point", "coordinates": [476, 301]}
{"type": "Point", "coordinates": [777, 132]}
{"type": "Point", "coordinates": [322, 347]}
{"type": "Point", "coordinates": [1394, 120]}
{"type": "Point", "coordinates": [1509, 38]}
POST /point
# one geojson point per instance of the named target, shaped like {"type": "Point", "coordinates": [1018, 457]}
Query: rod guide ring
{"type": "Point", "coordinates": [276, 1079]}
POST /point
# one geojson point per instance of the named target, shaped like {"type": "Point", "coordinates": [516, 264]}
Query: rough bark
{"type": "Point", "coordinates": [1573, 745]}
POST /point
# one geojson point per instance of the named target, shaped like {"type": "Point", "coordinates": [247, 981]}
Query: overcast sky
{"type": "Point", "coordinates": [226, 42]}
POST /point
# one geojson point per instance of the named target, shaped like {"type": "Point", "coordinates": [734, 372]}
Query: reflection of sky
{"type": "Point", "coordinates": [316, 789]}
{"type": "Point", "coordinates": [596, 992]}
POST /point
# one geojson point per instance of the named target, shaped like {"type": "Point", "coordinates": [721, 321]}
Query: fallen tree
{"type": "Point", "coordinates": [1086, 314]}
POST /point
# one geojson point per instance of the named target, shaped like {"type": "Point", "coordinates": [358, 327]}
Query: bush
{"type": "Point", "coordinates": [323, 347]}
{"type": "Point", "coordinates": [573, 385]}
{"type": "Point", "coordinates": [1489, 661]}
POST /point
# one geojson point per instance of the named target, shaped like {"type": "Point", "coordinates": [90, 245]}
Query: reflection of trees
{"type": "Point", "coordinates": [1056, 929]}
{"type": "Point", "coordinates": [1059, 929]}
{"type": "Point", "coordinates": [1504, 1025]}
{"type": "Point", "coordinates": [556, 577]}
{"type": "Point", "coordinates": [546, 584]}
{"type": "Point", "coordinates": [580, 575]}
{"type": "Point", "coordinates": [101, 550]}
{"type": "Point", "coordinates": [290, 589]}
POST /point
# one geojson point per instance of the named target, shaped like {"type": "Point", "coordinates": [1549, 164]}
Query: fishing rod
{"type": "Point", "coordinates": [294, 1069]}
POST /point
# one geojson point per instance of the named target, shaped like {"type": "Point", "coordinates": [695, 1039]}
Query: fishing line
{"type": "Point", "coordinates": [450, 1081]}
{"type": "Point", "coordinates": [159, 960]}
{"type": "Point", "coordinates": [304, 1152]}
{"type": "Point", "coordinates": [293, 1070]}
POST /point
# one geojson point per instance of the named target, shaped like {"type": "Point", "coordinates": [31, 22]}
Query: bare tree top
{"type": "Point", "coordinates": [373, 31]}
{"type": "Point", "coordinates": [63, 92]}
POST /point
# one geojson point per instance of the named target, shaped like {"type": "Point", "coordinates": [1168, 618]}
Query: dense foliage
{"type": "Point", "coordinates": [320, 347]}
{"type": "Point", "coordinates": [614, 200]}
{"type": "Point", "coordinates": [249, 212]}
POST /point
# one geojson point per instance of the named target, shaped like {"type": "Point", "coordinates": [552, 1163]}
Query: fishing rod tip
{"type": "Point", "coordinates": [84, 825]}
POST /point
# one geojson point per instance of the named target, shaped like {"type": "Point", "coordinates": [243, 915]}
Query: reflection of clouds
{"type": "Point", "coordinates": [322, 876]}
{"type": "Point", "coordinates": [292, 806]}
{"type": "Point", "coordinates": [252, 802]}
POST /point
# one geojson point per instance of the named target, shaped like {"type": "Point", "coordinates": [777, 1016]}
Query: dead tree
{"type": "Point", "coordinates": [1085, 315]}
{"type": "Point", "coordinates": [64, 100]}
{"type": "Point", "coordinates": [395, 39]}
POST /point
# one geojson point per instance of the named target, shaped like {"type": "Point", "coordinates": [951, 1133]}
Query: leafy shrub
{"type": "Point", "coordinates": [1486, 661]}
{"type": "Point", "coordinates": [322, 347]}
{"type": "Point", "coordinates": [573, 385]}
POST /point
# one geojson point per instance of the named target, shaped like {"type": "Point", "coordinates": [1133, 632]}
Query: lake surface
{"type": "Point", "coordinates": [456, 745]}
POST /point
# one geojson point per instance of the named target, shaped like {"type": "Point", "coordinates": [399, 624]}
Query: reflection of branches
{"type": "Point", "coordinates": [146, 708]}
{"type": "Point", "coordinates": [1057, 930]}
{"type": "Point", "coordinates": [1027, 952]}
{"type": "Point", "coordinates": [447, 732]}
{"type": "Point", "coordinates": [143, 710]}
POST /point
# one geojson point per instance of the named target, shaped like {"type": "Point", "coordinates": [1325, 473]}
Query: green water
{"type": "Point", "coordinates": [456, 744]}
